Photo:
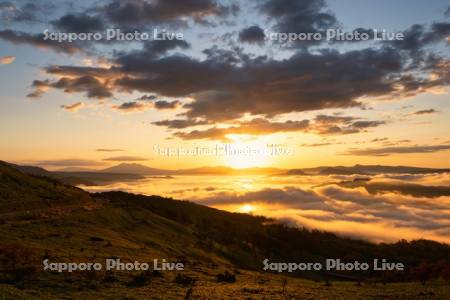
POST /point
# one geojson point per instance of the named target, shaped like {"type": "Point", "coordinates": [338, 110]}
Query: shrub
{"type": "Point", "coordinates": [110, 278]}
{"type": "Point", "coordinates": [141, 279]}
{"type": "Point", "coordinates": [226, 277]}
{"type": "Point", "coordinates": [184, 279]}
{"type": "Point", "coordinates": [17, 263]}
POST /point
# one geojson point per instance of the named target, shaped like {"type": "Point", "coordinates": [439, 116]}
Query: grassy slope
{"type": "Point", "coordinates": [32, 194]}
{"type": "Point", "coordinates": [43, 218]}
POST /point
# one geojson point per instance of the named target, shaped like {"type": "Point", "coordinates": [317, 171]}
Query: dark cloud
{"type": "Point", "coordinates": [68, 163]}
{"type": "Point", "coordinates": [162, 104]}
{"type": "Point", "coordinates": [419, 36]}
{"type": "Point", "coordinates": [147, 98]}
{"type": "Point", "coordinates": [125, 158]}
{"type": "Point", "coordinates": [131, 106]}
{"type": "Point", "coordinates": [93, 87]}
{"type": "Point", "coordinates": [73, 107]}
{"type": "Point", "coordinates": [109, 150]}
{"type": "Point", "coordinates": [327, 119]}
{"type": "Point", "coordinates": [318, 144]}
{"type": "Point", "coordinates": [413, 38]}
{"type": "Point", "coordinates": [325, 124]}
{"type": "Point", "coordinates": [397, 150]}
{"type": "Point", "coordinates": [6, 5]}
{"type": "Point", "coordinates": [142, 105]}
{"type": "Point", "coordinates": [439, 32]}
{"type": "Point", "coordinates": [159, 47]}
{"type": "Point", "coordinates": [308, 16]}
{"type": "Point", "coordinates": [404, 141]}
{"type": "Point", "coordinates": [79, 23]}
{"type": "Point", "coordinates": [211, 133]}
{"type": "Point", "coordinates": [385, 139]}
{"type": "Point", "coordinates": [253, 127]}
{"type": "Point", "coordinates": [366, 31]}
{"type": "Point", "coordinates": [322, 124]}
{"type": "Point", "coordinates": [228, 84]}
{"type": "Point", "coordinates": [180, 123]}
{"type": "Point", "coordinates": [38, 93]}
{"type": "Point", "coordinates": [303, 82]}
{"type": "Point", "coordinates": [78, 71]}
{"type": "Point", "coordinates": [37, 40]}
{"type": "Point", "coordinates": [367, 124]}
{"type": "Point", "coordinates": [11, 13]}
{"type": "Point", "coordinates": [173, 12]}
{"type": "Point", "coordinates": [425, 111]}
{"type": "Point", "coordinates": [252, 35]}
{"type": "Point", "coordinates": [154, 48]}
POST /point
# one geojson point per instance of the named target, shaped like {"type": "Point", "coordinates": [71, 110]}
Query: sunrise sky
{"type": "Point", "coordinates": [95, 104]}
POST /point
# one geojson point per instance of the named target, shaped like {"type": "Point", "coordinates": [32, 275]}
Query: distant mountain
{"type": "Point", "coordinates": [341, 171]}
{"type": "Point", "coordinates": [218, 170]}
{"type": "Point", "coordinates": [133, 168]}
{"type": "Point", "coordinates": [364, 170]}
{"type": "Point", "coordinates": [376, 169]}
{"type": "Point", "coordinates": [258, 171]}
{"type": "Point", "coordinates": [294, 172]}
{"type": "Point", "coordinates": [76, 169]}
{"type": "Point", "coordinates": [134, 171]}
{"type": "Point", "coordinates": [412, 189]}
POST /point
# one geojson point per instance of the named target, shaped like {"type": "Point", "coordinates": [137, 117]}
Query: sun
{"type": "Point", "coordinates": [247, 208]}
{"type": "Point", "coordinates": [241, 153]}
{"type": "Point", "coordinates": [242, 162]}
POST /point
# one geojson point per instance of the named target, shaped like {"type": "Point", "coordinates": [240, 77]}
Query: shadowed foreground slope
{"type": "Point", "coordinates": [41, 218]}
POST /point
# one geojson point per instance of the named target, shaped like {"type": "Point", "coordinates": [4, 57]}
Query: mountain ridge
{"type": "Point", "coordinates": [132, 171]}
{"type": "Point", "coordinates": [135, 168]}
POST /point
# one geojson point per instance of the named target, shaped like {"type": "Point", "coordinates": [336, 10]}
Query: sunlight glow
{"type": "Point", "coordinates": [243, 152]}
{"type": "Point", "coordinates": [247, 208]}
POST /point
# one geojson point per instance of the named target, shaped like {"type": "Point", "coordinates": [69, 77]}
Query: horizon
{"type": "Point", "coordinates": [53, 169]}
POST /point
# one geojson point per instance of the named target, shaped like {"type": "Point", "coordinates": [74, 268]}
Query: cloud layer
{"type": "Point", "coordinates": [384, 207]}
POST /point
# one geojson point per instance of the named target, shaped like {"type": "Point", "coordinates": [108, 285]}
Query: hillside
{"type": "Point", "coordinates": [32, 170]}
{"type": "Point", "coordinates": [222, 252]}
{"type": "Point", "coordinates": [24, 194]}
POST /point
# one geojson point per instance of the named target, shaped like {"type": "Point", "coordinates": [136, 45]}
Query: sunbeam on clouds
{"type": "Point", "coordinates": [341, 204]}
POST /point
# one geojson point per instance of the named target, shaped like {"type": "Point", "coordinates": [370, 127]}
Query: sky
{"type": "Point", "coordinates": [93, 104]}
